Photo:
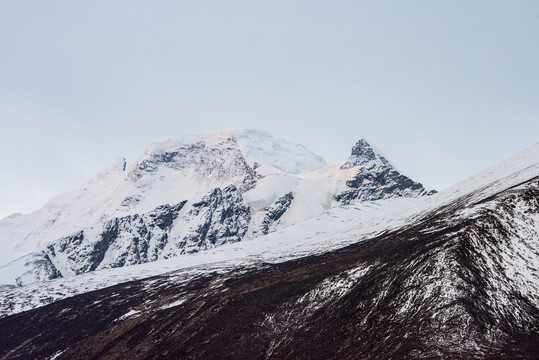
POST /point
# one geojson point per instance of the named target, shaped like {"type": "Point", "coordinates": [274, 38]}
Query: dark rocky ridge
{"type": "Point", "coordinates": [275, 211]}
{"type": "Point", "coordinates": [363, 153]}
{"type": "Point", "coordinates": [374, 182]}
{"type": "Point", "coordinates": [453, 285]}
{"type": "Point", "coordinates": [376, 178]}
{"type": "Point", "coordinates": [223, 218]}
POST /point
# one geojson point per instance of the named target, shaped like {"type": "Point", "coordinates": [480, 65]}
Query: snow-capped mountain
{"type": "Point", "coordinates": [375, 178]}
{"type": "Point", "coordinates": [452, 275]}
{"type": "Point", "coordinates": [189, 194]}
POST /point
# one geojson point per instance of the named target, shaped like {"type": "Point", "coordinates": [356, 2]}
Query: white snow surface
{"type": "Point", "coordinates": [258, 146]}
{"type": "Point", "coordinates": [334, 228]}
{"type": "Point", "coordinates": [313, 192]}
{"type": "Point", "coordinates": [212, 160]}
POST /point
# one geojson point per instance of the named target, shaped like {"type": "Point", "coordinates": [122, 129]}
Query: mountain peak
{"type": "Point", "coordinates": [180, 142]}
{"type": "Point", "coordinates": [259, 146]}
{"type": "Point", "coordinates": [364, 152]}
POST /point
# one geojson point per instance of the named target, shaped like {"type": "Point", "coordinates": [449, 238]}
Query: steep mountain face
{"type": "Point", "coordinates": [206, 160]}
{"type": "Point", "coordinates": [275, 211]}
{"type": "Point", "coordinates": [374, 182]}
{"type": "Point", "coordinates": [219, 218]}
{"type": "Point", "coordinates": [460, 282]}
{"type": "Point", "coordinates": [128, 240]}
{"type": "Point", "coordinates": [363, 153]}
{"type": "Point", "coordinates": [186, 195]}
{"type": "Point", "coordinates": [375, 178]}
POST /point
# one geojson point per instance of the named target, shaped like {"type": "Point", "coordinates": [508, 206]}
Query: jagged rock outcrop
{"type": "Point", "coordinates": [128, 240]}
{"type": "Point", "coordinates": [275, 211]}
{"type": "Point", "coordinates": [206, 162]}
{"type": "Point", "coordinates": [219, 218]}
{"type": "Point", "coordinates": [363, 153]}
{"type": "Point", "coordinates": [269, 218]}
{"type": "Point", "coordinates": [375, 182]}
{"type": "Point", "coordinates": [375, 178]}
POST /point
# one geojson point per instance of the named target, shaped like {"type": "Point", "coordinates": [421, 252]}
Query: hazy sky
{"type": "Point", "coordinates": [443, 88]}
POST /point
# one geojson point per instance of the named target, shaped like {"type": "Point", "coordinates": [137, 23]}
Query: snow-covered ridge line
{"type": "Point", "coordinates": [257, 145]}
{"type": "Point", "coordinates": [516, 169]}
{"type": "Point", "coordinates": [227, 195]}
{"type": "Point", "coordinates": [334, 228]}
{"type": "Point", "coordinates": [172, 144]}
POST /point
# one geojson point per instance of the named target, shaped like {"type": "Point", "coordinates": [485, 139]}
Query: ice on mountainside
{"type": "Point", "coordinates": [258, 146]}
{"type": "Point", "coordinates": [214, 188]}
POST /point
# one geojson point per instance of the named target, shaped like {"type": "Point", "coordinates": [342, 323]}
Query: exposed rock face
{"type": "Point", "coordinates": [461, 283]}
{"type": "Point", "coordinates": [363, 153]}
{"type": "Point", "coordinates": [128, 240]}
{"type": "Point", "coordinates": [222, 160]}
{"type": "Point", "coordinates": [137, 239]}
{"type": "Point", "coordinates": [219, 218]}
{"type": "Point", "coordinates": [275, 211]}
{"type": "Point", "coordinates": [268, 219]}
{"type": "Point", "coordinates": [375, 182]}
{"type": "Point", "coordinates": [376, 178]}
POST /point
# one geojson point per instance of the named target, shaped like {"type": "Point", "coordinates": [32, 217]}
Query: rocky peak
{"type": "Point", "coordinates": [363, 153]}
{"type": "Point", "coordinates": [215, 159]}
{"type": "Point", "coordinates": [375, 178]}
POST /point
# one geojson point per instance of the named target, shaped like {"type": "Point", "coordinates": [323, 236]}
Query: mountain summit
{"type": "Point", "coordinates": [189, 194]}
{"type": "Point", "coordinates": [375, 178]}
{"type": "Point", "coordinates": [259, 146]}
{"type": "Point", "coordinates": [363, 153]}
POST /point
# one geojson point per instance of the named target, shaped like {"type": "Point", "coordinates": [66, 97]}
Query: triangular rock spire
{"type": "Point", "coordinates": [363, 153]}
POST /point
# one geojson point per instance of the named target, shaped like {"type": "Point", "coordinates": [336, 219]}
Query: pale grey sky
{"type": "Point", "coordinates": [443, 88]}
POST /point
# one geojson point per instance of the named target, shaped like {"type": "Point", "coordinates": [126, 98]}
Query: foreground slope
{"type": "Point", "coordinates": [460, 281]}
